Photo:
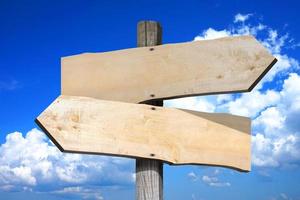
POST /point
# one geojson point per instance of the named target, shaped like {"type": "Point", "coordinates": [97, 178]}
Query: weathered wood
{"type": "Point", "coordinates": [88, 125]}
{"type": "Point", "coordinates": [149, 33]}
{"type": "Point", "coordinates": [149, 179]}
{"type": "Point", "coordinates": [232, 64]}
{"type": "Point", "coordinates": [149, 172]}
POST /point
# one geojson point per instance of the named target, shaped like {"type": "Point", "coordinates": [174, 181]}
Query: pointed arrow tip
{"type": "Point", "coordinates": [262, 75]}
{"type": "Point", "coordinates": [40, 125]}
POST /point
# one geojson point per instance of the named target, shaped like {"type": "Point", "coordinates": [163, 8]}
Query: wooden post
{"type": "Point", "coordinates": [149, 173]}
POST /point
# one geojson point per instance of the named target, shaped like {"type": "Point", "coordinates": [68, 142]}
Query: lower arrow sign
{"type": "Point", "coordinates": [88, 125]}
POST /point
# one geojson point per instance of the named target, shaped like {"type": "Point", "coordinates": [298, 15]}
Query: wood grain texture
{"type": "Point", "coordinates": [88, 125]}
{"type": "Point", "coordinates": [149, 179]}
{"type": "Point", "coordinates": [149, 33]}
{"type": "Point", "coordinates": [232, 64]}
{"type": "Point", "coordinates": [149, 172]}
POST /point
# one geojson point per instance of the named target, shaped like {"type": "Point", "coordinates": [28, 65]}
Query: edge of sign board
{"type": "Point", "coordinates": [49, 135]}
{"type": "Point", "coordinates": [262, 75]}
{"type": "Point", "coordinates": [223, 92]}
{"type": "Point", "coordinates": [128, 156]}
{"type": "Point", "coordinates": [249, 89]}
{"type": "Point", "coordinates": [60, 147]}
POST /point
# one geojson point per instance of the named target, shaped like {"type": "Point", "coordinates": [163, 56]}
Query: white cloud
{"type": "Point", "coordinates": [32, 162]}
{"type": "Point", "coordinates": [250, 104]}
{"type": "Point", "coordinates": [291, 92]}
{"type": "Point", "coordinates": [209, 180]}
{"type": "Point", "coordinates": [270, 119]}
{"type": "Point", "coordinates": [283, 66]}
{"type": "Point", "coordinates": [192, 176]}
{"type": "Point", "coordinates": [84, 192]}
{"type": "Point", "coordinates": [216, 172]}
{"type": "Point", "coordinates": [279, 145]}
{"type": "Point", "coordinates": [262, 151]}
{"type": "Point", "coordinates": [191, 103]}
{"type": "Point", "coordinates": [276, 113]}
{"type": "Point", "coordinates": [223, 98]}
{"type": "Point", "coordinates": [284, 196]}
{"type": "Point", "coordinates": [68, 174]}
{"type": "Point", "coordinates": [281, 196]}
{"type": "Point", "coordinates": [214, 181]}
{"type": "Point", "coordinates": [273, 42]}
{"type": "Point", "coordinates": [211, 33]}
{"type": "Point", "coordinates": [241, 18]}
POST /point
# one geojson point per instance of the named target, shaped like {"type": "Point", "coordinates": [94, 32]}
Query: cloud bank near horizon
{"type": "Point", "coordinates": [33, 163]}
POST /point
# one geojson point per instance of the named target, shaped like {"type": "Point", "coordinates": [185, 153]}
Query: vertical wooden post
{"type": "Point", "coordinates": [149, 173]}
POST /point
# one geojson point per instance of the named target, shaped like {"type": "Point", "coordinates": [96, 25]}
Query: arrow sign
{"type": "Point", "coordinates": [88, 125]}
{"type": "Point", "coordinates": [100, 123]}
{"type": "Point", "coordinates": [232, 64]}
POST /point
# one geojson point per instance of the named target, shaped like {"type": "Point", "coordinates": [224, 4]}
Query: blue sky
{"type": "Point", "coordinates": [35, 34]}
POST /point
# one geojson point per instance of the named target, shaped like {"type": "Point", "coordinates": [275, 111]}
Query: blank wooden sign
{"type": "Point", "coordinates": [88, 125]}
{"type": "Point", "coordinates": [231, 64]}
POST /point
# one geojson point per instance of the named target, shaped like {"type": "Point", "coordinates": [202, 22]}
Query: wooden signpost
{"type": "Point", "coordinates": [98, 111]}
{"type": "Point", "coordinates": [149, 172]}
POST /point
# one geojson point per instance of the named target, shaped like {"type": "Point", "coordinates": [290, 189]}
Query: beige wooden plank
{"type": "Point", "coordinates": [88, 125]}
{"type": "Point", "coordinates": [232, 64]}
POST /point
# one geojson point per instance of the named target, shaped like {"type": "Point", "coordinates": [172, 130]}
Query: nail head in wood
{"type": "Point", "coordinates": [149, 173]}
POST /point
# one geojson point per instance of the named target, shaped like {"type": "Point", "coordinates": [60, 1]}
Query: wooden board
{"type": "Point", "coordinates": [149, 172]}
{"type": "Point", "coordinates": [88, 125]}
{"type": "Point", "coordinates": [232, 64]}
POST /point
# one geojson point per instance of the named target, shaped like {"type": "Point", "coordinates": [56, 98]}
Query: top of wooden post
{"type": "Point", "coordinates": [149, 33]}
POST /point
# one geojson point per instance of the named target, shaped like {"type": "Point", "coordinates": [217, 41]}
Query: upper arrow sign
{"type": "Point", "coordinates": [232, 64]}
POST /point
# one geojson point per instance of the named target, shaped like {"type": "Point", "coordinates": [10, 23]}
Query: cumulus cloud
{"type": "Point", "coordinates": [83, 192]}
{"type": "Point", "coordinates": [241, 18]}
{"type": "Point", "coordinates": [210, 180]}
{"type": "Point", "coordinates": [211, 33]}
{"type": "Point", "coordinates": [280, 143]}
{"type": "Point", "coordinates": [192, 103]}
{"type": "Point", "coordinates": [29, 162]}
{"type": "Point", "coordinates": [275, 140]}
{"type": "Point", "coordinates": [250, 104]}
{"type": "Point", "coordinates": [269, 37]}
{"type": "Point", "coordinates": [32, 162]}
{"type": "Point", "coordinates": [274, 104]}
{"type": "Point", "coordinates": [223, 98]}
{"type": "Point", "coordinates": [192, 176]}
{"type": "Point", "coordinates": [270, 119]}
{"type": "Point", "coordinates": [214, 181]}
